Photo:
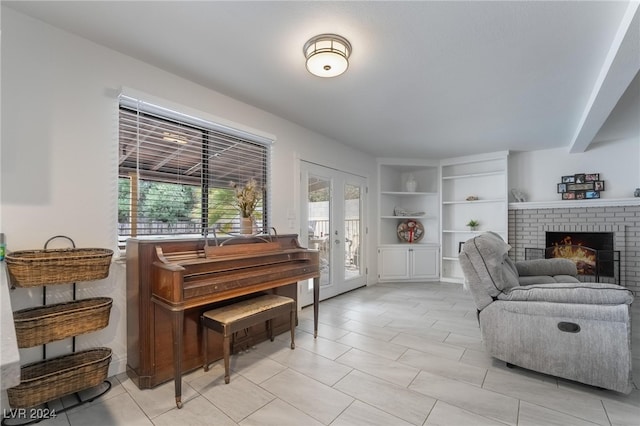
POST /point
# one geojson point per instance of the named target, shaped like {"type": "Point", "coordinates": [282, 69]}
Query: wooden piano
{"type": "Point", "coordinates": [170, 282]}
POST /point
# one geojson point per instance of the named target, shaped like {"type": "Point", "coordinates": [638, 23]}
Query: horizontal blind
{"type": "Point", "coordinates": [176, 172]}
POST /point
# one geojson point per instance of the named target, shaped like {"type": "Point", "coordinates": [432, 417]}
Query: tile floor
{"type": "Point", "coordinates": [389, 354]}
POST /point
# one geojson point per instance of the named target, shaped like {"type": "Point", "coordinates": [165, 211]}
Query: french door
{"type": "Point", "coordinates": [333, 222]}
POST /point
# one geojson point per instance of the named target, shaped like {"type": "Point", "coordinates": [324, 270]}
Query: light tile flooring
{"type": "Point", "coordinates": [389, 354]}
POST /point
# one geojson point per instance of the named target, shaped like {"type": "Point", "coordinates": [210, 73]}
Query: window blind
{"type": "Point", "coordinates": [176, 171]}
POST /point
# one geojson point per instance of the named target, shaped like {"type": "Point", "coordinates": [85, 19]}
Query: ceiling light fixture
{"type": "Point", "coordinates": [327, 55]}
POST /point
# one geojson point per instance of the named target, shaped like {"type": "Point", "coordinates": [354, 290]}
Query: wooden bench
{"type": "Point", "coordinates": [241, 315]}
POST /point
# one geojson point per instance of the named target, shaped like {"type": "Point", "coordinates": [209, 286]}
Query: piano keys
{"type": "Point", "coordinates": [170, 282]}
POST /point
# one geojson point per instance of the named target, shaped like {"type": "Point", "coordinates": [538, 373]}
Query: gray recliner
{"type": "Point", "coordinates": [560, 326]}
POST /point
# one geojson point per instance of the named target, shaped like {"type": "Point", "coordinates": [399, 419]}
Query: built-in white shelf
{"type": "Point", "coordinates": [412, 194]}
{"type": "Point", "coordinates": [565, 204]}
{"type": "Point", "coordinates": [493, 200]}
{"type": "Point", "coordinates": [474, 175]}
{"type": "Point", "coordinates": [464, 231]}
{"type": "Point", "coordinates": [409, 217]}
{"type": "Point", "coordinates": [397, 259]}
{"type": "Point", "coordinates": [480, 176]}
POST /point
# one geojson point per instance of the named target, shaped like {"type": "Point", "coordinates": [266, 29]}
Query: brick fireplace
{"type": "Point", "coordinates": [529, 224]}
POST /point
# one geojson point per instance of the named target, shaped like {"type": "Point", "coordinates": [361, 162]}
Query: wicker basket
{"type": "Point", "coordinates": [44, 324]}
{"type": "Point", "coordinates": [29, 268]}
{"type": "Point", "coordinates": [54, 378]}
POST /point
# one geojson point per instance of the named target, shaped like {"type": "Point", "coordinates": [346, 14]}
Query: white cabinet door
{"type": "Point", "coordinates": [414, 262]}
{"type": "Point", "coordinates": [393, 263]}
{"type": "Point", "coordinates": [423, 262]}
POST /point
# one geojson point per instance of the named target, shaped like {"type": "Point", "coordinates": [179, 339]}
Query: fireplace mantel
{"type": "Point", "coordinates": [566, 204]}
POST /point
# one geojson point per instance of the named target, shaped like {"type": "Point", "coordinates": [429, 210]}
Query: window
{"type": "Point", "coordinates": [175, 173]}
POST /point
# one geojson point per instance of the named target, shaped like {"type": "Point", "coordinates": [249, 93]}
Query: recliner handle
{"type": "Point", "coordinates": [568, 327]}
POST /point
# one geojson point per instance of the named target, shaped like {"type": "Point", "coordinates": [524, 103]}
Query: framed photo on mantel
{"type": "Point", "coordinates": [580, 186]}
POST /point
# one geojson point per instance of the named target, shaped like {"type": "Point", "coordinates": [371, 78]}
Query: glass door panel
{"type": "Point", "coordinates": [319, 220]}
{"type": "Point", "coordinates": [332, 220]}
{"type": "Point", "coordinates": [352, 230]}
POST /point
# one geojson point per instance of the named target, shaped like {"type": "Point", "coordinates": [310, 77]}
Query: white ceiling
{"type": "Point", "coordinates": [429, 79]}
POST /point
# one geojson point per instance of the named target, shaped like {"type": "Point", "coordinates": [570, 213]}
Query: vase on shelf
{"type": "Point", "coordinates": [411, 184]}
{"type": "Point", "coordinates": [246, 225]}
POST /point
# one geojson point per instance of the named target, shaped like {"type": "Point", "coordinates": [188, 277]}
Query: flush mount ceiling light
{"type": "Point", "coordinates": [327, 55]}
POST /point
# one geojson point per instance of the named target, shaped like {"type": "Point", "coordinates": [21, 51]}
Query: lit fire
{"type": "Point", "coordinates": [584, 257]}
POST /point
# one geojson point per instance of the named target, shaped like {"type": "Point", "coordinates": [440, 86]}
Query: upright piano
{"type": "Point", "coordinates": [170, 282]}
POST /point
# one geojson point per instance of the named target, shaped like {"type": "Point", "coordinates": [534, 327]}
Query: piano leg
{"type": "Point", "coordinates": [178, 321]}
{"type": "Point", "coordinates": [316, 299]}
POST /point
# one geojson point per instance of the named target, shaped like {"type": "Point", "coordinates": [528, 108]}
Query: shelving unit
{"type": "Point", "coordinates": [55, 377]}
{"type": "Point", "coordinates": [398, 259]}
{"type": "Point", "coordinates": [482, 176]}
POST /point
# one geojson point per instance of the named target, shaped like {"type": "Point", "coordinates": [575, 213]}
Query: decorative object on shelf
{"type": "Point", "coordinates": [472, 198]}
{"type": "Point", "coordinates": [518, 195]}
{"type": "Point", "coordinates": [410, 231]}
{"type": "Point", "coordinates": [411, 184]}
{"type": "Point", "coordinates": [581, 186]}
{"type": "Point", "coordinates": [399, 211]}
{"type": "Point", "coordinates": [246, 200]}
{"type": "Point", "coordinates": [473, 224]}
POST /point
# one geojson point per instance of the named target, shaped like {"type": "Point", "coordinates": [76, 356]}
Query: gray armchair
{"type": "Point", "coordinates": [559, 326]}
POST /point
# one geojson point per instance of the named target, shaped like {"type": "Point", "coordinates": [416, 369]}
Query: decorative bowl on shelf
{"type": "Point", "coordinates": [410, 231]}
{"type": "Point", "coordinates": [400, 211]}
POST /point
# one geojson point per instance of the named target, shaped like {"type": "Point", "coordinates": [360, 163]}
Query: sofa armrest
{"type": "Point", "coordinates": [574, 293]}
{"type": "Point", "coordinates": [549, 267]}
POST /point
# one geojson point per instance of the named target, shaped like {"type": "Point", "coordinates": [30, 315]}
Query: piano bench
{"type": "Point", "coordinates": [241, 315]}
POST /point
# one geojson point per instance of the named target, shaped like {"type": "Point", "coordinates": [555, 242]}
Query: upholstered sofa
{"type": "Point", "coordinates": [562, 327]}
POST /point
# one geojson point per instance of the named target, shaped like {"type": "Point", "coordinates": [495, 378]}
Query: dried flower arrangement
{"type": "Point", "coordinates": [247, 197]}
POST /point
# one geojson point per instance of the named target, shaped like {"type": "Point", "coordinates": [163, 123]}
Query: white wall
{"type": "Point", "coordinates": [59, 153]}
{"type": "Point", "coordinates": [536, 173]}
